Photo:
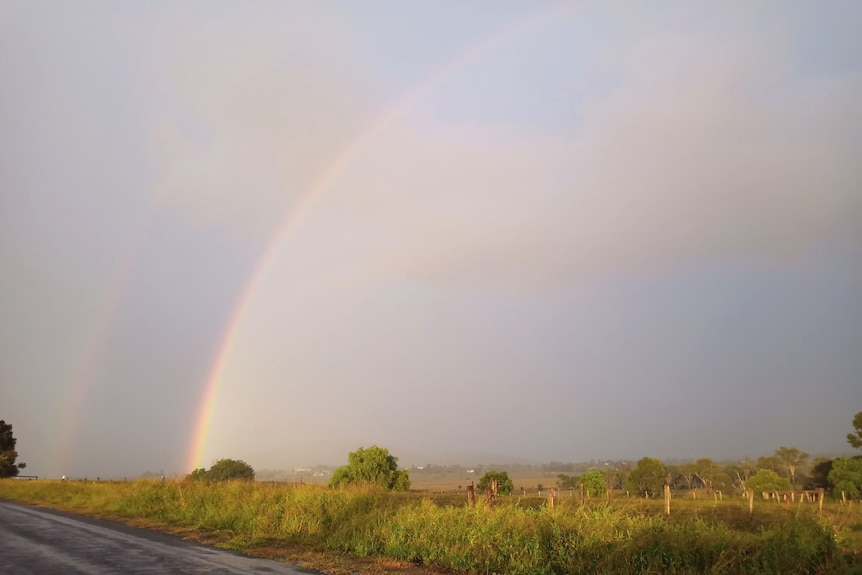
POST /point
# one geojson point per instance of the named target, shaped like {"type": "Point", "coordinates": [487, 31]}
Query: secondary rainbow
{"type": "Point", "coordinates": [294, 219]}
{"type": "Point", "coordinates": [87, 369]}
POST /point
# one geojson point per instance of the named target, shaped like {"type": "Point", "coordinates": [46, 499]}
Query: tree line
{"type": "Point", "coordinates": [788, 468]}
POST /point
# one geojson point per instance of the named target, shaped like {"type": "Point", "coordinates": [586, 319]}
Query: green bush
{"type": "Point", "coordinates": [767, 480]}
{"type": "Point", "coordinates": [846, 476]}
{"type": "Point", "coordinates": [594, 483]}
{"type": "Point", "coordinates": [372, 466]}
{"type": "Point", "coordinates": [504, 484]}
{"type": "Point", "coordinates": [224, 470]}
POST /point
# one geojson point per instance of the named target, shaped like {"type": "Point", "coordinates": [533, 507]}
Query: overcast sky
{"type": "Point", "coordinates": [459, 230]}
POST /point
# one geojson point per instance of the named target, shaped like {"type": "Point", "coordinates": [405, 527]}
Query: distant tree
{"type": "Point", "coordinates": [198, 474]}
{"type": "Point", "coordinates": [372, 466]}
{"type": "Point", "coordinates": [224, 470]}
{"type": "Point", "coordinates": [8, 455]}
{"type": "Point", "coordinates": [855, 438]}
{"type": "Point", "coordinates": [771, 463]}
{"type": "Point", "coordinates": [557, 466]}
{"type": "Point", "coordinates": [230, 469]}
{"type": "Point", "coordinates": [791, 459]}
{"type": "Point", "coordinates": [820, 473]}
{"type": "Point", "coordinates": [504, 484]}
{"type": "Point", "coordinates": [594, 482]}
{"type": "Point", "coordinates": [846, 476]}
{"type": "Point", "coordinates": [740, 472]}
{"type": "Point", "coordinates": [647, 478]}
{"type": "Point", "coordinates": [567, 481]}
{"type": "Point", "coordinates": [618, 475]}
{"type": "Point", "coordinates": [767, 480]}
{"type": "Point", "coordinates": [688, 471]}
{"type": "Point", "coordinates": [674, 476]}
{"type": "Point", "coordinates": [706, 471]}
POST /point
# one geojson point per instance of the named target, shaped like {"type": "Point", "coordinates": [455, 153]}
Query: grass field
{"type": "Point", "coordinates": [336, 530]}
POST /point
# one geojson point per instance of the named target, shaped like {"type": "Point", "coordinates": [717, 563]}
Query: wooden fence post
{"type": "Point", "coordinates": [471, 495]}
{"type": "Point", "coordinates": [551, 498]}
{"type": "Point", "coordinates": [667, 500]}
{"type": "Point", "coordinates": [750, 502]}
{"type": "Point", "coordinates": [492, 491]}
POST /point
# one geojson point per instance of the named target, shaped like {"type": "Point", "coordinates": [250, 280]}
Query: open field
{"type": "Point", "coordinates": [527, 479]}
{"type": "Point", "coordinates": [409, 531]}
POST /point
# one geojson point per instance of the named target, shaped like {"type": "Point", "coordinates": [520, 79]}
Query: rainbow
{"type": "Point", "coordinates": [294, 219]}
{"type": "Point", "coordinates": [86, 370]}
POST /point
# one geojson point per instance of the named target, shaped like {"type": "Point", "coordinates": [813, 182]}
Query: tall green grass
{"type": "Point", "coordinates": [515, 536]}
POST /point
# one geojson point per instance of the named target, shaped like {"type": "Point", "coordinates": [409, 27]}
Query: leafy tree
{"type": "Point", "coordinates": [846, 476]}
{"type": "Point", "coordinates": [594, 483]}
{"type": "Point", "coordinates": [791, 459]}
{"type": "Point", "coordinates": [738, 473]}
{"type": "Point", "coordinates": [820, 473]}
{"type": "Point", "coordinates": [8, 455]}
{"type": "Point", "coordinates": [199, 474]}
{"type": "Point", "coordinates": [566, 481]}
{"type": "Point", "coordinates": [688, 471]}
{"type": "Point", "coordinates": [771, 463]}
{"type": "Point", "coordinates": [767, 480]}
{"type": "Point", "coordinates": [706, 472]}
{"type": "Point", "coordinates": [504, 484]}
{"type": "Point", "coordinates": [372, 466]}
{"type": "Point", "coordinates": [616, 478]}
{"type": "Point", "coordinates": [855, 438]}
{"type": "Point", "coordinates": [224, 470]}
{"type": "Point", "coordinates": [647, 478]}
{"type": "Point", "coordinates": [229, 469]}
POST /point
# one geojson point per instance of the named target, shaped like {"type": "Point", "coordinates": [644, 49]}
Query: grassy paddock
{"type": "Point", "coordinates": [518, 535]}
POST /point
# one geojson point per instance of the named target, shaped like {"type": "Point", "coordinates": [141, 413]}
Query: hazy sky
{"type": "Point", "coordinates": [460, 230]}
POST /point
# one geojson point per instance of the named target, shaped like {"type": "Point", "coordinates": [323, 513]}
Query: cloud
{"type": "Point", "coordinates": [249, 113]}
{"type": "Point", "coordinates": [701, 151]}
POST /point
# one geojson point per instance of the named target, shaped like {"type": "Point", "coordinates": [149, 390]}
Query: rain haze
{"type": "Point", "coordinates": [277, 231]}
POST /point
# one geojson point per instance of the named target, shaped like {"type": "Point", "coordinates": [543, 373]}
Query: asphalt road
{"type": "Point", "coordinates": [47, 542]}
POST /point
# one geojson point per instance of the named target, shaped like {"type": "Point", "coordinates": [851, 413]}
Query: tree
{"type": "Point", "coordinates": [8, 455]}
{"type": "Point", "coordinates": [791, 458]}
{"type": "Point", "coordinates": [647, 478]}
{"type": "Point", "coordinates": [199, 474]}
{"type": "Point", "coordinates": [372, 466]}
{"type": "Point", "coordinates": [846, 476]}
{"type": "Point", "coordinates": [688, 471]}
{"type": "Point", "coordinates": [767, 480]}
{"type": "Point", "coordinates": [820, 473]}
{"type": "Point", "coordinates": [224, 470]}
{"type": "Point", "coordinates": [504, 484]}
{"type": "Point", "coordinates": [855, 439]}
{"type": "Point", "coordinates": [706, 471]}
{"type": "Point", "coordinates": [566, 481]}
{"type": "Point", "coordinates": [771, 463]}
{"type": "Point", "coordinates": [741, 472]}
{"type": "Point", "coordinates": [594, 483]}
{"type": "Point", "coordinates": [230, 469]}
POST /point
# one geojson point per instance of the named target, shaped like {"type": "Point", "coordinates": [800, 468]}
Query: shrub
{"type": "Point", "coordinates": [594, 483]}
{"type": "Point", "coordinates": [767, 480]}
{"type": "Point", "coordinates": [224, 470]}
{"type": "Point", "coordinates": [372, 466]}
{"type": "Point", "coordinates": [846, 476]}
{"type": "Point", "coordinates": [504, 484]}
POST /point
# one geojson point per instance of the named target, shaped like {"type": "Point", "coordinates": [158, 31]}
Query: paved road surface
{"type": "Point", "coordinates": [46, 542]}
